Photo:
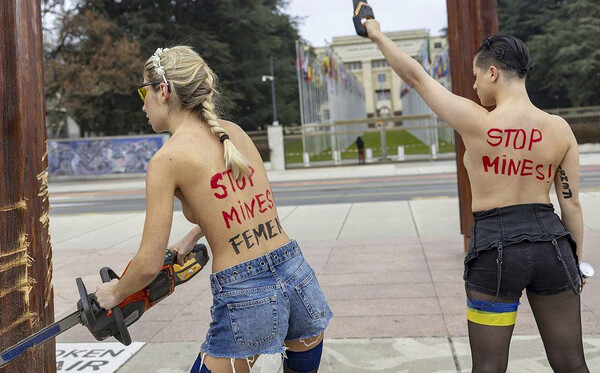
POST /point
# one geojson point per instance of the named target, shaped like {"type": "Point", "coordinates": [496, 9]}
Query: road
{"type": "Point", "coordinates": [348, 190]}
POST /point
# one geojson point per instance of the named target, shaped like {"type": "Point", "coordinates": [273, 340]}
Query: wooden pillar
{"type": "Point", "coordinates": [469, 23]}
{"type": "Point", "coordinates": [26, 297]}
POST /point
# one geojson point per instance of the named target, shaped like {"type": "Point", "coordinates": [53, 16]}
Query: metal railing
{"type": "Point", "coordinates": [588, 115]}
{"type": "Point", "coordinates": [261, 141]}
{"type": "Point", "coordinates": [584, 121]}
{"type": "Point", "coordinates": [394, 138]}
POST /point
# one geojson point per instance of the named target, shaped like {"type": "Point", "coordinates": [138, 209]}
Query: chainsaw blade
{"type": "Point", "coordinates": [40, 337]}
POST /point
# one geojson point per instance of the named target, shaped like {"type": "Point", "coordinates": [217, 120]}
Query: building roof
{"type": "Point", "coordinates": [394, 35]}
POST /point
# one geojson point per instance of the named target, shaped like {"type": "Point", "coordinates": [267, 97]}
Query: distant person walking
{"type": "Point", "coordinates": [360, 145]}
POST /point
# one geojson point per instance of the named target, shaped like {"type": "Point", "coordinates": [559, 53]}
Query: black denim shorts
{"type": "Point", "coordinates": [521, 247]}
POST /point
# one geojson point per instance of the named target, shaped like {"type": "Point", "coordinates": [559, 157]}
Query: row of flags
{"type": "Point", "coordinates": [329, 70]}
{"type": "Point", "coordinates": [328, 92]}
{"type": "Point", "coordinates": [441, 65]}
{"type": "Point", "coordinates": [438, 68]}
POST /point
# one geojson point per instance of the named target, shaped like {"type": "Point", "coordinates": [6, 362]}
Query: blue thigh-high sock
{"type": "Point", "coordinates": [198, 367]}
{"type": "Point", "coordinates": [303, 362]}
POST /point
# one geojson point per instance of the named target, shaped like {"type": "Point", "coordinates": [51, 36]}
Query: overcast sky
{"type": "Point", "coordinates": [324, 19]}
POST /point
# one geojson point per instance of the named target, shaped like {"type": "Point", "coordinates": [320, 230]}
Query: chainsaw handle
{"type": "Point", "coordinates": [201, 254]}
{"type": "Point", "coordinates": [107, 274]}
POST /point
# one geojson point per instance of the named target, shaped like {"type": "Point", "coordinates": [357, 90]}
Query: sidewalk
{"type": "Point", "coordinates": [394, 284]}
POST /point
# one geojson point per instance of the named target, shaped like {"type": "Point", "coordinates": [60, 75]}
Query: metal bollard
{"type": "Point", "coordinates": [337, 157]}
{"type": "Point", "coordinates": [368, 155]}
{"type": "Point", "coordinates": [306, 159]}
{"type": "Point", "coordinates": [401, 153]}
{"type": "Point", "coordinates": [433, 151]}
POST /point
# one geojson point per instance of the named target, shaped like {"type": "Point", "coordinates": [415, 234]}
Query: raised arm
{"type": "Point", "coordinates": [566, 183]}
{"type": "Point", "coordinates": [457, 111]}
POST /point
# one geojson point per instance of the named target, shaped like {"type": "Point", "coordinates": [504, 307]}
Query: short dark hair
{"type": "Point", "coordinates": [505, 52]}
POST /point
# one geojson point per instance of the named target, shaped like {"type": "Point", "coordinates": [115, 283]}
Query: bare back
{"type": "Point", "coordinates": [238, 218]}
{"type": "Point", "coordinates": [513, 156]}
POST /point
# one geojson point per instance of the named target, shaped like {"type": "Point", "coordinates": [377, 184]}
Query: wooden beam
{"type": "Point", "coordinates": [469, 23]}
{"type": "Point", "coordinates": [26, 297]}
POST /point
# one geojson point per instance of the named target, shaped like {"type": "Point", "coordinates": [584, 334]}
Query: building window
{"type": "Point", "coordinates": [354, 65]}
{"type": "Point", "coordinates": [437, 45]}
{"type": "Point", "coordinates": [379, 64]}
{"type": "Point", "coordinates": [381, 78]}
{"type": "Point", "coordinates": [382, 95]}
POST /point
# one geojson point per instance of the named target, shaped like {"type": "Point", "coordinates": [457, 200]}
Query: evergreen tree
{"type": "Point", "coordinates": [571, 50]}
{"type": "Point", "coordinates": [565, 50]}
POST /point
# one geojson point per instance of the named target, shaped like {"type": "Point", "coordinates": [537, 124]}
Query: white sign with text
{"type": "Point", "coordinates": [94, 357]}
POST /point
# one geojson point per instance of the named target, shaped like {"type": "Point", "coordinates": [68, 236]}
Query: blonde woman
{"type": "Point", "coordinates": [266, 298]}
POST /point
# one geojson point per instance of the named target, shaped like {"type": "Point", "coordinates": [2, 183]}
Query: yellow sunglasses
{"type": "Point", "coordinates": [143, 92]}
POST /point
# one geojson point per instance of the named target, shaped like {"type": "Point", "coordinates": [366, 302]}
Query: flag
{"type": "Point", "coordinates": [335, 70]}
{"type": "Point", "coordinates": [426, 55]}
{"type": "Point", "coordinates": [404, 89]}
{"type": "Point", "coordinates": [428, 50]}
{"type": "Point", "coordinates": [309, 73]}
{"type": "Point", "coordinates": [305, 63]}
{"type": "Point", "coordinates": [298, 60]}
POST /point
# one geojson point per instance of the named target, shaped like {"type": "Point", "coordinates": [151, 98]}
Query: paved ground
{"type": "Point", "coordinates": [392, 272]}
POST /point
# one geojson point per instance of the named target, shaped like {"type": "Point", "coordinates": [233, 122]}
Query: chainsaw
{"type": "Point", "coordinates": [113, 323]}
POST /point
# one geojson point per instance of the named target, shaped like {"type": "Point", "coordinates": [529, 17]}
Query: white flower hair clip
{"type": "Point", "coordinates": [156, 62]}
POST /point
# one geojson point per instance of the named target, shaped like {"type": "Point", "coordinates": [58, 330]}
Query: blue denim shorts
{"type": "Point", "coordinates": [521, 247]}
{"type": "Point", "coordinates": [259, 304]}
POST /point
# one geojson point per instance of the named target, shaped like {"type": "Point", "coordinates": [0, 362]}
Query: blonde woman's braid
{"type": "Point", "coordinates": [233, 159]}
{"type": "Point", "coordinates": [209, 115]}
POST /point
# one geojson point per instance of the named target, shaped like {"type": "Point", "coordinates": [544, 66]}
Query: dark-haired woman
{"type": "Point", "coordinates": [266, 297]}
{"type": "Point", "coordinates": [513, 154]}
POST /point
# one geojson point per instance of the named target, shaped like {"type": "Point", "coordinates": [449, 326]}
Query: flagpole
{"type": "Point", "coordinates": [300, 95]}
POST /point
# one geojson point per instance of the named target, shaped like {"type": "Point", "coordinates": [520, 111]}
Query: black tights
{"type": "Point", "coordinates": [558, 318]}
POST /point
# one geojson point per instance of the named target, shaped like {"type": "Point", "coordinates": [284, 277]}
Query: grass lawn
{"type": "Point", "coordinates": [412, 145]}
